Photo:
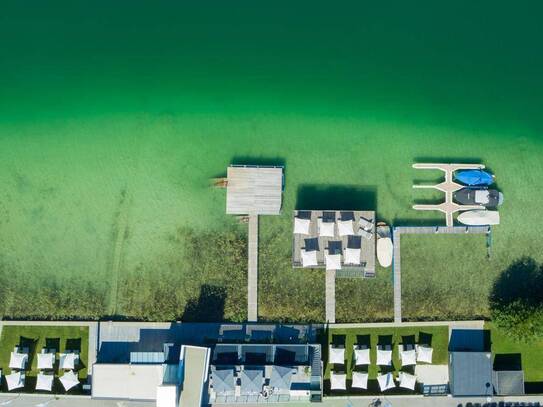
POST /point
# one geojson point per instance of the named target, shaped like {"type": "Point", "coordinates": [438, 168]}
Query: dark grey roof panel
{"type": "Point", "coordinates": [471, 373]}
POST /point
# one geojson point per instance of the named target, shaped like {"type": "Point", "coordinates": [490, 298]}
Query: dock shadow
{"type": "Point", "coordinates": [447, 160]}
{"type": "Point", "coordinates": [401, 221]}
{"type": "Point", "coordinates": [336, 197]}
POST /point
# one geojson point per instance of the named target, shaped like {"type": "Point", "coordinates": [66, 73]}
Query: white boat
{"type": "Point", "coordinates": [479, 217]}
{"type": "Point", "coordinates": [384, 245]}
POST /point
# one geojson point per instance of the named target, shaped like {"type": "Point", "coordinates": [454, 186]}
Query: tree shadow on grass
{"type": "Point", "coordinates": [208, 307]}
{"type": "Point", "coordinates": [336, 197]}
{"type": "Point", "coordinates": [522, 280]}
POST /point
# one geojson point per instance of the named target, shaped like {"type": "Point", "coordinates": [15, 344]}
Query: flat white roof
{"type": "Point", "coordinates": [125, 381]}
{"type": "Point", "coordinates": [195, 365]}
{"type": "Point", "coordinates": [166, 395]}
{"type": "Point", "coordinates": [254, 190]}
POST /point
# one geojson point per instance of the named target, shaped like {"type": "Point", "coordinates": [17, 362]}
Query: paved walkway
{"type": "Point", "coordinates": [397, 276]}
{"type": "Point", "coordinates": [330, 296]}
{"type": "Point", "coordinates": [252, 274]}
{"type": "Point", "coordinates": [396, 401]}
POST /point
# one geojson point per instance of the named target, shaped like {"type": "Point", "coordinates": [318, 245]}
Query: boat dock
{"type": "Point", "coordinates": [253, 190]}
{"type": "Point", "coordinates": [424, 230]}
{"type": "Point", "coordinates": [448, 186]}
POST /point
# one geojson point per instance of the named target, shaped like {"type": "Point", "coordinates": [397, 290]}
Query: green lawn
{"type": "Point", "coordinates": [439, 339]}
{"type": "Point", "coordinates": [531, 353]}
{"type": "Point", "coordinates": [37, 337]}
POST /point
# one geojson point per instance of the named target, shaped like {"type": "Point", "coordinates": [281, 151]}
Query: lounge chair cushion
{"type": "Point", "coordinates": [362, 357]}
{"type": "Point", "coordinates": [424, 354]}
{"type": "Point", "coordinates": [352, 256]}
{"type": "Point", "coordinates": [407, 381]}
{"type": "Point", "coordinates": [333, 261]}
{"type": "Point", "coordinates": [360, 380]}
{"type": "Point", "coordinates": [301, 226]}
{"type": "Point", "coordinates": [326, 229]}
{"type": "Point", "coordinates": [345, 227]}
{"type": "Point", "coordinates": [338, 381]}
{"type": "Point", "coordinates": [309, 259]}
{"type": "Point", "coordinates": [337, 355]}
{"type": "Point", "coordinates": [384, 357]}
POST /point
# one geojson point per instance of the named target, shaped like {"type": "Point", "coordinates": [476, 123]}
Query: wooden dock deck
{"type": "Point", "coordinates": [330, 296]}
{"type": "Point", "coordinates": [367, 255]}
{"type": "Point", "coordinates": [397, 261]}
{"type": "Point", "coordinates": [252, 273]}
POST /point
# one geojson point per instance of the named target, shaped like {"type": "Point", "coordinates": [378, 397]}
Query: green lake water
{"type": "Point", "coordinates": [115, 115]}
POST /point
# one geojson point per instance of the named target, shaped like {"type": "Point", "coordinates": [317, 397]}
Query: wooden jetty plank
{"type": "Point", "coordinates": [397, 264]}
{"type": "Point", "coordinates": [331, 296]}
{"type": "Point", "coordinates": [252, 274]}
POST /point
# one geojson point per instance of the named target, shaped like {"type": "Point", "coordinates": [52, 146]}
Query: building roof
{"type": "Point", "coordinates": [251, 381]}
{"type": "Point", "coordinates": [195, 361]}
{"type": "Point", "coordinates": [281, 377]}
{"type": "Point", "coordinates": [509, 382]}
{"type": "Point", "coordinates": [254, 190]}
{"type": "Point", "coordinates": [260, 354]}
{"type": "Point", "coordinates": [166, 396]}
{"type": "Point", "coordinates": [470, 373]}
{"type": "Point", "coordinates": [223, 380]}
{"type": "Point", "coordinates": [125, 381]}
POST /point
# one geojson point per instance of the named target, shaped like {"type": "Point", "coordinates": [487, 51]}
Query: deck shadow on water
{"type": "Point", "coordinates": [447, 160]}
{"type": "Point", "coordinates": [257, 160]}
{"type": "Point", "coordinates": [337, 197]}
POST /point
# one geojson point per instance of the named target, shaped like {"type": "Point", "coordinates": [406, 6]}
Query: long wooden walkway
{"type": "Point", "coordinates": [397, 273]}
{"type": "Point", "coordinates": [426, 230]}
{"type": "Point", "coordinates": [252, 273]}
{"type": "Point", "coordinates": [330, 296]}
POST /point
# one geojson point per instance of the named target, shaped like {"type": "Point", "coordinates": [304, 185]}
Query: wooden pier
{"type": "Point", "coordinates": [252, 274]}
{"type": "Point", "coordinates": [425, 230]}
{"type": "Point", "coordinates": [253, 190]}
{"type": "Point", "coordinates": [397, 275]}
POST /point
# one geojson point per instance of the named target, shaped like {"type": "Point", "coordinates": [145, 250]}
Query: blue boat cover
{"type": "Point", "coordinates": [474, 177]}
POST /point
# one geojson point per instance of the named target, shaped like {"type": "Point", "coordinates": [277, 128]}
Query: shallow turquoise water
{"type": "Point", "coordinates": [150, 100]}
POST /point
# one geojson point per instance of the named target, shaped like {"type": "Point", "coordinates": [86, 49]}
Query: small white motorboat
{"type": "Point", "coordinates": [385, 248]}
{"type": "Point", "coordinates": [479, 217]}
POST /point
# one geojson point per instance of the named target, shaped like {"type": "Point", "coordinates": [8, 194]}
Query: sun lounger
{"type": "Point", "coordinates": [365, 234]}
{"type": "Point", "coordinates": [366, 224]}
